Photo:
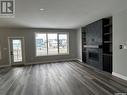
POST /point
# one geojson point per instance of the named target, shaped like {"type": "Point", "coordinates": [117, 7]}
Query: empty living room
{"type": "Point", "coordinates": [63, 47]}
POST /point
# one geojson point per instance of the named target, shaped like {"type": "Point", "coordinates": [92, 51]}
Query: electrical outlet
{"type": "Point", "coordinates": [123, 46]}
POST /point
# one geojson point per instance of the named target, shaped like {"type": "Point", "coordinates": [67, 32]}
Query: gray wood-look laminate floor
{"type": "Point", "coordinates": [63, 78]}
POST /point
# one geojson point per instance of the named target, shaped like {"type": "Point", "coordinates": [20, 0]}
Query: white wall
{"type": "Point", "coordinates": [29, 35]}
{"type": "Point", "coordinates": [119, 37]}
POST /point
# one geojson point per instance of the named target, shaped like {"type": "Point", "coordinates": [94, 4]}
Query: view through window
{"type": "Point", "coordinates": [51, 43]}
{"type": "Point", "coordinates": [41, 44]}
{"type": "Point", "coordinates": [17, 50]}
{"type": "Point", "coordinates": [63, 47]}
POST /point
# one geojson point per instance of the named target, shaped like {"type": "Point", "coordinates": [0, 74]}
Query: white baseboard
{"type": "Point", "coordinates": [2, 66]}
{"type": "Point", "coordinates": [80, 60]}
{"type": "Point", "coordinates": [119, 75]}
{"type": "Point", "coordinates": [42, 62]}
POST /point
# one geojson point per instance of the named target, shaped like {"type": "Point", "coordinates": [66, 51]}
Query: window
{"type": "Point", "coordinates": [17, 50]}
{"type": "Point", "coordinates": [51, 43]}
{"type": "Point", "coordinates": [41, 44]}
{"type": "Point", "coordinates": [63, 44]}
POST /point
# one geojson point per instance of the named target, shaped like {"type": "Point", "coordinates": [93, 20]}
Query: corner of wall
{"type": "Point", "coordinates": [79, 44]}
{"type": "Point", "coordinates": [119, 75]}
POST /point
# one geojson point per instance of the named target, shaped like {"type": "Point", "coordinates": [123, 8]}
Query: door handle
{"type": "Point", "coordinates": [11, 53]}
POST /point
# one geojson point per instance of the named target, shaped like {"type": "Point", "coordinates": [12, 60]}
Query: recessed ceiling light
{"type": "Point", "coordinates": [42, 9]}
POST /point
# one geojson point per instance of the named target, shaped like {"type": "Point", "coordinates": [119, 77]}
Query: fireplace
{"type": "Point", "coordinates": [93, 56]}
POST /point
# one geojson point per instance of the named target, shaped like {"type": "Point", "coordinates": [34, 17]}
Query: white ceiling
{"type": "Point", "coordinates": [61, 13]}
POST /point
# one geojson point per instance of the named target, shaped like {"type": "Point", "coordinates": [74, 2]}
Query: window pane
{"type": "Point", "coordinates": [63, 48]}
{"type": "Point", "coordinates": [41, 44]}
{"type": "Point", "coordinates": [52, 44]}
{"type": "Point", "coordinates": [17, 50]}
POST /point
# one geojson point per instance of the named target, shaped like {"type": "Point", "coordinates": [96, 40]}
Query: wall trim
{"type": "Point", "coordinates": [3, 66]}
{"type": "Point", "coordinates": [113, 73]}
{"type": "Point", "coordinates": [119, 75]}
{"type": "Point", "coordinates": [42, 62]}
{"type": "Point", "coordinates": [79, 59]}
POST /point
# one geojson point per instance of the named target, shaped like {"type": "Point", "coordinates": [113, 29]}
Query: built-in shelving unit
{"type": "Point", "coordinates": [97, 44]}
{"type": "Point", "coordinates": [83, 43]}
{"type": "Point", "coordinates": [107, 44]}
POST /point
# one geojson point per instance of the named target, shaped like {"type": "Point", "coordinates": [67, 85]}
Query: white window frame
{"type": "Point", "coordinates": [57, 41]}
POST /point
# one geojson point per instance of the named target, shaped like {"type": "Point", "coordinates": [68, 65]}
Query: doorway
{"type": "Point", "coordinates": [16, 50]}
